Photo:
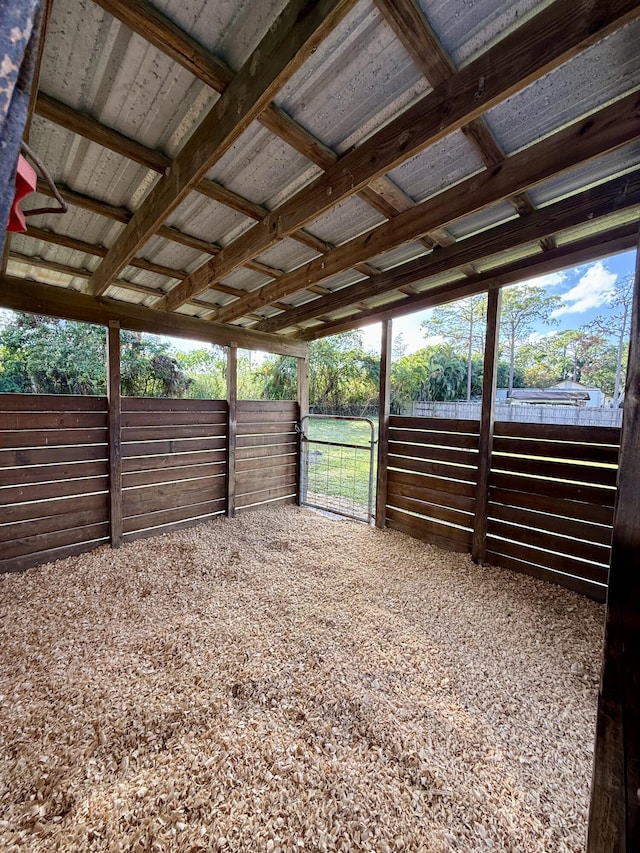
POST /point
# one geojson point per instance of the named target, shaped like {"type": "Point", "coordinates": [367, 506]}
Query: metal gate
{"type": "Point", "coordinates": [337, 459]}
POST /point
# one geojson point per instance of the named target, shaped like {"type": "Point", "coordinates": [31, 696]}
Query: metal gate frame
{"type": "Point", "coordinates": [304, 467]}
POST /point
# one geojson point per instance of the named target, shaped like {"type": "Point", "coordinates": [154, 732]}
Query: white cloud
{"type": "Point", "coordinates": [595, 288]}
{"type": "Point", "coordinates": [549, 280]}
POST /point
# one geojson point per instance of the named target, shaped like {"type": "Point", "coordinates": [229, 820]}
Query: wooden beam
{"type": "Point", "coordinates": [602, 245]}
{"type": "Point", "coordinates": [232, 428]}
{"type": "Point", "coordinates": [578, 209]}
{"type": "Point", "coordinates": [303, 411]}
{"type": "Point", "coordinates": [115, 433]}
{"type": "Point", "coordinates": [384, 412]}
{"type": "Point", "coordinates": [540, 44]}
{"type": "Point", "coordinates": [487, 417]}
{"type": "Point", "coordinates": [36, 298]}
{"type": "Point", "coordinates": [297, 31]}
{"type": "Point", "coordinates": [601, 132]}
{"type": "Point", "coordinates": [614, 820]}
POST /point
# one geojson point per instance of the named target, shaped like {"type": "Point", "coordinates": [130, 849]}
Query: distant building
{"type": "Point", "coordinates": [565, 393]}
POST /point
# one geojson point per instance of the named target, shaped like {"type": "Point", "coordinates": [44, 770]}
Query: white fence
{"type": "Point", "coordinates": [521, 414]}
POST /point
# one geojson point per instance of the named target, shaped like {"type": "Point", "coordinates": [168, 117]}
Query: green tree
{"type": "Point", "coordinates": [616, 327]}
{"type": "Point", "coordinates": [523, 305]}
{"type": "Point", "coordinates": [461, 323]}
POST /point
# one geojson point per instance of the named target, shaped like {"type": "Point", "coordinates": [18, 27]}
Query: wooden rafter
{"type": "Point", "coordinates": [588, 206]}
{"type": "Point", "coordinates": [297, 31]}
{"type": "Point", "coordinates": [33, 297]}
{"type": "Point", "coordinates": [603, 131]}
{"type": "Point", "coordinates": [540, 44]}
{"type": "Point", "coordinates": [602, 245]}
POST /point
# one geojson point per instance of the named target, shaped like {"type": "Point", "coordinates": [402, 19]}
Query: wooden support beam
{"type": "Point", "coordinates": [303, 411]}
{"type": "Point", "coordinates": [588, 206]}
{"type": "Point", "coordinates": [602, 245]}
{"type": "Point", "coordinates": [603, 131]}
{"type": "Point", "coordinates": [540, 44]}
{"type": "Point", "coordinates": [232, 428]}
{"type": "Point", "coordinates": [614, 820]}
{"type": "Point", "coordinates": [115, 433]}
{"type": "Point", "coordinates": [384, 411]}
{"type": "Point", "coordinates": [18, 294]}
{"type": "Point", "coordinates": [487, 417]}
{"type": "Point", "coordinates": [296, 32]}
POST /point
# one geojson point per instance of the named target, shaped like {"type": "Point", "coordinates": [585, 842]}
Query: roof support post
{"type": "Point", "coordinates": [614, 820]}
{"type": "Point", "coordinates": [303, 411]}
{"type": "Point", "coordinates": [232, 428]}
{"type": "Point", "coordinates": [114, 418]}
{"type": "Point", "coordinates": [487, 416]}
{"type": "Point", "coordinates": [384, 410]}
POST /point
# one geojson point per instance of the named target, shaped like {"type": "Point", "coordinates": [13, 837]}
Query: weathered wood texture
{"type": "Point", "coordinates": [614, 820]}
{"type": "Point", "coordinates": [232, 428]}
{"type": "Point", "coordinates": [303, 411]}
{"type": "Point", "coordinates": [174, 462]}
{"type": "Point", "coordinates": [53, 478]}
{"type": "Point", "coordinates": [114, 400]}
{"type": "Point", "coordinates": [267, 453]}
{"type": "Point", "coordinates": [384, 409]}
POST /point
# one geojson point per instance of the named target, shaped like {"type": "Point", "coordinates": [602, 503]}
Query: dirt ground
{"type": "Point", "coordinates": [289, 682]}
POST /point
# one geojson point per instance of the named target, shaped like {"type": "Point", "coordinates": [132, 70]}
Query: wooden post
{"type": "Point", "coordinates": [384, 409]}
{"type": "Point", "coordinates": [614, 820]}
{"type": "Point", "coordinates": [115, 432]}
{"type": "Point", "coordinates": [303, 411]}
{"type": "Point", "coordinates": [487, 416]}
{"type": "Point", "coordinates": [232, 428]}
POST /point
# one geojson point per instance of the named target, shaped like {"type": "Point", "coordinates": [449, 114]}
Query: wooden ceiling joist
{"type": "Point", "coordinates": [612, 242]}
{"type": "Point", "coordinates": [33, 297]}
{"type": "Point", "coordinates": [540, 44]}
{"type": "Point", "coordinates": [603, 131]}
{"type": "Point", "coordinates": [298, 29]}
{"type": "Point", "coordinates": [585, 207]}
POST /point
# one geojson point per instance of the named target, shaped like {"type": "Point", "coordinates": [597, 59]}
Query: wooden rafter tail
{"type": "Point", "coordinates": [588, 206]}
{"type": "Point", "coordinates": [604, 131]}
{"type": "Point", "coordinates": [511, 64]}
{"type": "Point", "coordinates": [612, 242]}
{"type": "Point", "coordinates": [297, 31]}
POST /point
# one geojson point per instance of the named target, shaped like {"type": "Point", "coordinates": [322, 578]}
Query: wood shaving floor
{"type": "Point", "coordinates": [287, 682]}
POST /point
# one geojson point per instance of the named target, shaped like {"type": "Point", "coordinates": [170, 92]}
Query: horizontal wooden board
{"type": "Point", "coordinates": [19, 564]}
{"type": "Point", "coordinates": [146, 533]}
{"type": "Point", "coordinates": [553, 523]}
{"type": "Point", "coordinates": [548, 559]}
{"type": "Point", "coordinates": [133, 449]}
{"type": "Point", "coordinates": [553, 504]}
{"type": "Point", "coordinates": [436, 469]}
{"type": "Point", "coordinates": [289, 407]}
{"type": "Point", "coordinates": [435, 424]}
{"type": "Point", "coordinates": [278, 427]}
{"type": "Point", "coordinates": [556, 469]}
{"type": "Point", "coordinates": [449, 538]}
{"type": "Point", "coordinates": [464, 485]}
{"type": "Point", "coordinates": [48, 508]}
{"type": "Point", "coordinates": [266, 464]}
{"type": "Point", "coordinates": [160, 404]}
{"type": "Point", "coordinates": [550, 541]}
{"type": "Point", "coordinates": [52, 438]}
{"type": "Point", "coordinates": [557, 449]}
{"type": "Point", "coordinates": [417, 486]}
{"type": "Point", "coordinates": [51, 403]}
{"type": "Point", "coordinates": [430, 510]}
{"type": "Point", "coordinates": [172, 475]}
{"type": "Point", "coordinates": [533, 485]}
{"type": "Point", "coordinates": [441, 439]}
{"type": "Point", "coordinates": [262, 496]}
{"type": "Point", "coordinates": [266, 418]}
{"type": "Point", "coordinates": [559, 432]}
{"type": "Point", "coordinates": [434, 484]}
{"type": "Point", "coordinates": [43, 473]}
{"type": "Point", "coordinates": [596, 591]}
{"type": "Point", "coordinates": [266, 440]}
{"type": "Point", "coordinates": [140, 499]}
{"type": "Point", "coordinates": [45, 491]}
{"type": "Point", "coordinates": [25, 545]}
{"type": "Point", "coordinates": [172, 460]}
{"type": "Point", "coordinates": [156, 433]}
{"type": "Point", "coordinates": [199, 511]}
{"type": "Point", "coordinates": [268, 450]}
{"type": "Point", "coordinates": [51, 420]}
{"type": "Point", "coordinates": [250, 481]}
{"type": "Point", "coordinates": [457, 456]}
{"type": "Point", "coordinates": [26, 456]}
{"type": "Point", "coordinates": [16, 530]}
{"type": "Point", "coordinates": [171, 419]}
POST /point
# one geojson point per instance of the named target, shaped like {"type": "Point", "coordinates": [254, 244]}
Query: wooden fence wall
{"type": "Point", "coordinates": [551, 494]}
{"type": "Point", "coordinates": [53, 478]}
{"type": "Point", "coordinates": [267, 453]}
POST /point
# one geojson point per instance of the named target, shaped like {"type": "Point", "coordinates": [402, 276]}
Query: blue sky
{"type": "Point", "coordinates": [584, 292]}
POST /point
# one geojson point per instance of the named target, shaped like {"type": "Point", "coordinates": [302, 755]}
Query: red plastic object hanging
{"type": "Point", "coordinates": [26, 182]}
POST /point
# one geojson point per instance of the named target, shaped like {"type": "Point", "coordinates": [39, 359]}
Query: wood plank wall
{"type": "Point", "coordinates": [431, 487]}
{"type": "Point", "coordinates": [173, 463]}
{"type": "Point", "coordinates": [266, 453]}
{"type": "Point", "coordinates": [53, 478]}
